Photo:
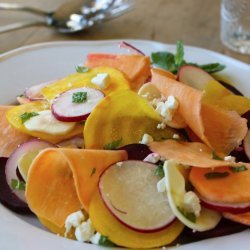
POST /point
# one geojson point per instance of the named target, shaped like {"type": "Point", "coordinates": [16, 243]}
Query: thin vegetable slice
{"type": "Point", "coordinates": [107, 225]}
{"type": "Point", "coordinates": [117, 81]}
{"type": "Point", "coordinates": [125, 117]}
{"type": "Point", "coordinates": [240, 218]}
{"type": "Point", "coordinates": [14, 118]}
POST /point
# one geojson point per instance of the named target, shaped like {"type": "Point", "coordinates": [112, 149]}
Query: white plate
{"type": "Point", "coordinates": [34, 64]}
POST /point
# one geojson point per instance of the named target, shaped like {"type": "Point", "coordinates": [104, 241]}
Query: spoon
{"type": "Point", "coordinates": [71, 16]}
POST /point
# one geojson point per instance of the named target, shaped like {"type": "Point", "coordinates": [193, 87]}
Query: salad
{"type": "Point", "coordinates": [130, 152]}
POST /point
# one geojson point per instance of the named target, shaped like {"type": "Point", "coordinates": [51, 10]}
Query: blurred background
{"type": "Point", "coordinates": [195, 22]}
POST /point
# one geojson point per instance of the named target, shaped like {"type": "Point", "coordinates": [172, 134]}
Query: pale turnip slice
{"type": "Point", "coordinates": [76, 104]}
{"type": "Point", "coordinates": [246, 144]}
{"type": "Point", "coordinates": [129, 190]}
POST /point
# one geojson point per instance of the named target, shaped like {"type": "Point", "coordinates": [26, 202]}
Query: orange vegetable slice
{"type": "Point", "coordinates": [77, 80]}
{"type": "Point", "coordinates": [190, 153]}
{"type": "Point", "coordinates": [233, 188]}
{"type": "Point", "coordinates": [13, 117]}
{"type": "Point", "coordinates": [220, 129]}
{"type": "Point", "coordinates": [123, 116]}
{"type": "Point", "coordinates": [106, 224]}
{"type": "Point", "coordinates": [240, 218]}
{"type": "Point", "coordinates": [10, 138]}
{"type": "Point", "coordinates": [135, 67]}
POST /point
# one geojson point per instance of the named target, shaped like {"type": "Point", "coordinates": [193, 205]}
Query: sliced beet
{"type": "Point", "coordinates": [7, 197]}
{"type": "Point", "coordinates": [136, 151]}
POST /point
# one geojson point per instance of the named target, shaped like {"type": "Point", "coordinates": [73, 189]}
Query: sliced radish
{"type": "Point", "coordinates": [75, 142]}
{"type": "Point", "coordinates": [222, 207]}
{"type": "Point", "coordinates": [13, 161]}
{"type": "Point", "coordinates": [64, 109]}
{"type": "Point", "coordinates": [34, 93]}
{"type": "Point", "coordinates": [246, 144]}
{"type": "Point", "coordinates": [7, 197]}
{"type": "Point", "coordinates": [129, 190]}
{"type": "Point", "coordinates": [194, 76]}
{"type": "Point", "coordinates": [131, 48]}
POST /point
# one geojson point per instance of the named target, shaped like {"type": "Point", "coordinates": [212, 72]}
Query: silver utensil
{"type": "Point", "coordinates": [72, 16]}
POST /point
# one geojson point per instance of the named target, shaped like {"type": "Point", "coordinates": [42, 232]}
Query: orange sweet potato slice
{"type": "Point", "coordinates": [232, 188]}
{"type": "Point", "coordinates": [107, 225]}
{"type": "Point", "coordinates": [220, 129]}
{"type": "Point", "coordinates": [190, 153]}
{"type": "Point", "coordinates": [10, 138]}
{"type": "Point", "coordinates": [240, 218]}
{"type": "Point", "coordinates": [135, 67]}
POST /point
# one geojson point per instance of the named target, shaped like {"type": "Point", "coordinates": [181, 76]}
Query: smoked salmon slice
{"type": "Point", "coordinates": [135, 67]}
{"type": "Point", "coordinates": [220, 129]}
{"type": "Point", "coordinates": [10, 137]}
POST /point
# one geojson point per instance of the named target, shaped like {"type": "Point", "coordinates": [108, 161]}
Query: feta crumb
{"type": "Point", "coordinates": [191, 203]}
{"type": "Point", "coordinates": [161, 185]}
{"type": "Point", "coordinates": [176, 136]}
{"type": "Point", "coordinates": [74, 220]}
{"type": "Point", "coordinates": [153, 158]}
{"type": "Point", "coordinates": [229, 158]}
{"type": "Point", "coordinates": [95, 238]}
{"type": "Point", "coordinates": [119, 164]}
{"type": "Point", "coordinates": [146, 138]}
{"type": "Point", "coordinates": [101, 80]}
{"type": "Point", "coordinates": [172, 102]}
{"type": "Point", "coordinates": [161, 125]}
{"type": "Point", "coordinates": [85, 231]}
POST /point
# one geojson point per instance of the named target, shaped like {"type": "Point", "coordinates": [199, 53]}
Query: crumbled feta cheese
{"type": "Point", "coordinates": [161, 185]}
{"type": "Point", "coordinates": [229, 158]}
{"type": "Point", "coordinates": [74, 220]}
{"type": "Point", "coordinates": [146, 138]}
{"type": "Point", "coordinates": [95, 238]}
{"type": "Point", "coordinates": [101, 80]}
{"type": "Point", "coordinates": [176, 136]}
{"type": "Point", "coordinates": [85, 231]}
{"type": "Point", "coordinates": [119, 164]}
{"type": "Point", "coordinates": [172, 103]}
{"type": "Point", "coordinates": [161, 125]}
{"type": "Point", "coordinates": [191, 203]}
{"type": "Point", "coordinates": [153, 158]}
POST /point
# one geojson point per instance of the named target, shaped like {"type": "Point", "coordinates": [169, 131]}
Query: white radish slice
{"type": "Point", "coordinates": [149, 91]}
{"type": "Point", "coordinates": [194, 77]}
{"type": "Point", "coordinates": [45, 122]}
{"type": "Point", "coordinates": [246, 144]}
{"type": "Point", "coordinates": [129, 190]}
{"type": "Point", "coordinates": [175, 185]}
{"type": "Point", "coordinates": [64, 109]}
{"type": "Point", "coordinates": [34, 93]}
{"type": "Point", "coordinates": [13, 161]}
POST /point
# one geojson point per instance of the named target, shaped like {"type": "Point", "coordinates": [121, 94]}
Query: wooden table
{"type": "Point", "coordinates": [195, 22]}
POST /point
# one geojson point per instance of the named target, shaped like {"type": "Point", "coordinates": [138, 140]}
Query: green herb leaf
{"type": "Point", "coordinates": [159, 170]}
{"type": "Point", "coordinates": [27, 115]}
{"type": "Point", "coordinates": [237, 169]}
{"type": "Point", "coordinates": [113, 145]}
{"type": "Point", "coordinates": [164, 60]}
{"type": "Point", "coordinates": [93, 172]}
{"type": "Point", "coordinates": [82, 69]}
{"type": "Point", "coordinates": [79, 97]}
{"type": "Point", "coordinates": [21, 95]}
{"type": "Point", "coordinates": [104, 241]}
{"type": "Point", "coordinates": [216, 175]}
{"type": "Point", "coordinates": [17, 185]}
{"type": "Point", "coordinates": [190, 216]}
{"type": "Point", "coordinates": [179, 56]}
{"type": "Point", "coordinates": [212, 67]}
{"type": "Point", "coordinates": [216, 157]}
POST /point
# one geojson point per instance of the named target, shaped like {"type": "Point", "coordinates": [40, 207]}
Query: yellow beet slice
{"type": "Point", "coordinates": [107, 225]}
{"type": "Point", "coordinates": [233, 188]}
{"type": "Point", "coordinates": [123, 116]}
{"type": "Point", "coordinates": [117, 81]}
{"type": "Point", "coordinates": [13, 117]}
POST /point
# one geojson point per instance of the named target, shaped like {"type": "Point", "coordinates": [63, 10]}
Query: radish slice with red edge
{"type": "Point", "coordinates": [75, 105]}
{"type": "Point", "coordinates": [12, 163]}
{"type": "Point", "coordinates": [130, 47]}
{"type": "Point", "coordinates": [7, 197]}
{"type": "Point", "coordinates": [129, 190]}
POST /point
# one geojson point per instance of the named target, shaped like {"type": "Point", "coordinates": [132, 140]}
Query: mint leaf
{"type": "Point", "coordinates": [159, 170]}
{"type": "Point", "coordinates": [82, 69]}
{"type": "Point", "coordinates": [17, 185]}
{"type": "Point", "coordinates": [27, 115]}
{"type": "Point", "coordinates": [212, 67]}
{"type": "Point", "coordinates": [179, 56]}
{"type": "Point", "coordinates": [237, 169]}
{"type": "Point", "coordinates": [113, 145]}
{"type": "Point", "coordinates": [164, 60]}
{"type": "Point", "coordinates": [79, 97]}
{"type": "Point", "coordinates": [104, 241]}
{"type": "Point", "coordinates": [216, 175]}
